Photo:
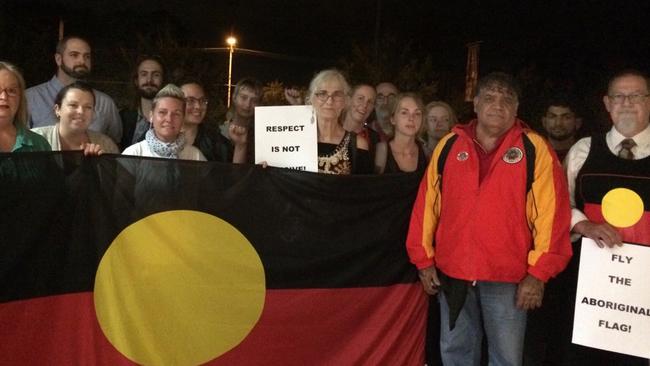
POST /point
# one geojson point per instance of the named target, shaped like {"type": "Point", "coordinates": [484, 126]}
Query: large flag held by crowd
{"type": "Point", "coordinates": [118, 260]}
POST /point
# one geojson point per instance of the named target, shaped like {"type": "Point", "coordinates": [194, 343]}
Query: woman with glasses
{"type": "Point", "coordinates": [14, 135]}
{"type": "Point", "coordinates": [440, 118]}
{"type": "Point", "coordinates": [403, 152]}
{"type": "Point", "coordinates": [339, 151]}
{"type": "Point", "coordinates": [74, 106]}
{"type": "Point", "coordinates": [203, 135]}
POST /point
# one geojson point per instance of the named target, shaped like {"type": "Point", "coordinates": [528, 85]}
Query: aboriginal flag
{"type": "Point", "coordinates": [118, 260]}
{"type": "Point", "coordinates": [617, 191]}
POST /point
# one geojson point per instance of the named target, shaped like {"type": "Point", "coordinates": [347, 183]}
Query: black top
{"type": "Point", "coordinates": [393, 167]}
{"type": "Point", "coordinates": [603, 171]}
{"type": "Point", "coordinates": [129, 119]}
{"type": "Point", "coordinates": [213, 145]}
{"type": "Point", "coordinates": [344, 157]}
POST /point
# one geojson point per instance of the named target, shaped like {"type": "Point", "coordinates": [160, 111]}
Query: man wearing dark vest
{"type": "Point", "coordinates": [490, 225]}
{"type": "Point", "coordinates": [618, 159]}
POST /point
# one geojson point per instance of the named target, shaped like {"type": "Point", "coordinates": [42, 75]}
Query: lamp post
{"type": "Point", "coordinates": [231, 41]}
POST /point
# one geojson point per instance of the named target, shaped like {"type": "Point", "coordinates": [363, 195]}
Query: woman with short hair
{"type": "Point", "coordinates": [165, 138]}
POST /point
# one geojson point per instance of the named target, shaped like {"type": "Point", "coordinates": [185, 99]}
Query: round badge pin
{"type": "Point", "coordinates": [513, 155]}
{"type": "Point", "coordinates": [462, 156]}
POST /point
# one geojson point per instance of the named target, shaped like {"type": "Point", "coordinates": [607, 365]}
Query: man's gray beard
{"type": "Point", "coordinates": [75, 74]}
{"type": "Point", "coordinates": [627, 123]}
{"type": "Point", "coordinates": [382, 113]}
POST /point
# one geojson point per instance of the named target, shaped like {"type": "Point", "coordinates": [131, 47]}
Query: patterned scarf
{"type": "Point", "coordinates": [168, 150]}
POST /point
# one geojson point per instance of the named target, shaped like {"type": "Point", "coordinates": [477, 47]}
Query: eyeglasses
{"type": "Point", "coordinates": [381, 98]}
{"type": "Point", "coordinates": [323, 96]}
{"type": "Point", "coordinates": [633, 98]}
{"type": "Point", "coordinates": [11, 92]}
{"type": "Point", "coordinates": [200, 101]}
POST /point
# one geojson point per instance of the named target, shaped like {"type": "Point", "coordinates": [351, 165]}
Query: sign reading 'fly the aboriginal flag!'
{"type": "Point", "coordinates": [118, 260]}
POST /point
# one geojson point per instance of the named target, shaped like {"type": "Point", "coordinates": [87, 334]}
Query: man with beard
{"type": "Point", "coordinates": [386, 94]}
{"type": "Point", "coordinates": [549, 326]}
{"type": "Point", "coordinates": [241, 116]}
{"type": "Point", "coordinates": [561, 124]}
{"type": "Point", "coordinates": [148, 77]}
{"type": "Point", "coordinates": [73, 61]}
{"type": "Point", "coordinates": [597, 165]}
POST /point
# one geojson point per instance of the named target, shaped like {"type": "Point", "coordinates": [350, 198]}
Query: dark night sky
{"type": "Point", "coordinates": [580, 40]}
{"type": "Point", "coordinates": [512, 31]}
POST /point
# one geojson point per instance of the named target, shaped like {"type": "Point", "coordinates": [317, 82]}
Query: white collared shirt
{"type": "Point", "coordinates": [576, 157]}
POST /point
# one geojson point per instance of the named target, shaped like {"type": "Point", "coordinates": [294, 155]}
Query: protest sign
{"type": "Point", "coordinates": [286, 137]}
{"type": "Point", "coordinates": [612, 310]}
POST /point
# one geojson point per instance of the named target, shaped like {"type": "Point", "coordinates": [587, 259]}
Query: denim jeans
{"type": "Point", "coordinates": [490, 309]}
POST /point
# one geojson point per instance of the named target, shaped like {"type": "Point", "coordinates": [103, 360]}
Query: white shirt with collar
{"type": "Point", "coordinates": [576, 157]}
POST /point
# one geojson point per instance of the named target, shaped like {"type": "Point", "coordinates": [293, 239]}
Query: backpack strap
{"type": "Point", "coordinates": [529, 150]}
{"type": "Point", "coordinates": [443, 156]}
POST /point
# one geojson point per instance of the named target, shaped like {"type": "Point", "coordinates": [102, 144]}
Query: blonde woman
{"type": "Point", "coordinates": [14, 134]}
{"type": "Point", "coordinates": [165, 139]}
{"type": "Point", "coordinates": [440, 118]}
{"type": "Point", "coordinates": [403, 152]}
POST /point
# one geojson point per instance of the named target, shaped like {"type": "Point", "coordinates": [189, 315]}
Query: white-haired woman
{"type": "Point", "coordinates": [339, 151]}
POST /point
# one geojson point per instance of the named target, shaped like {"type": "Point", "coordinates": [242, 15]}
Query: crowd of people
{"type": "Point", "coordinates": [491, 237]}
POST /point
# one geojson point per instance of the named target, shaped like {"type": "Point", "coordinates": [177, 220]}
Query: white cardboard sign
{"type": "Point", "coordinates": [612, 310]}
{"type": "Point", "coordinates": [286, 137]}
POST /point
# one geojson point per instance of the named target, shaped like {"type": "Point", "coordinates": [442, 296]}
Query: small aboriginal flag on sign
{"type": "Point", "coordinates": [120, 260]}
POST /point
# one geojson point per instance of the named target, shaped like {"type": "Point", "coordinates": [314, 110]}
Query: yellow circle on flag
{"type": "Point", "coordinates": [622, 207]}
{"type": "Point", "coordinates": [178, 288]}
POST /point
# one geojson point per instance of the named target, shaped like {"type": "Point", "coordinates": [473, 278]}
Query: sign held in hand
{"type": "Point", "coordinates": [286, 137]}
{"type": "Point", "coordinates": [612, 310]}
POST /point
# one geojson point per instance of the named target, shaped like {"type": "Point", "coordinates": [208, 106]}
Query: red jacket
{"type": "Point", "coordinates": [495, 231]}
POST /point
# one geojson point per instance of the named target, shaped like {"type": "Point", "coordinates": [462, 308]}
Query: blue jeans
{"type": "Point", "coordinates": [490, 308]}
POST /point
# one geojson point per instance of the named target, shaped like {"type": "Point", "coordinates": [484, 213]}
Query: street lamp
{"type": "Point", "coordinates": [231, 41]}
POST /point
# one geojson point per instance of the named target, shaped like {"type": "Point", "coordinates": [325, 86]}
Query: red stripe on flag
{"type": "Point", "coordinates": [343, 326]}
{"type": "Point", "coordinates": [55, 330]}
